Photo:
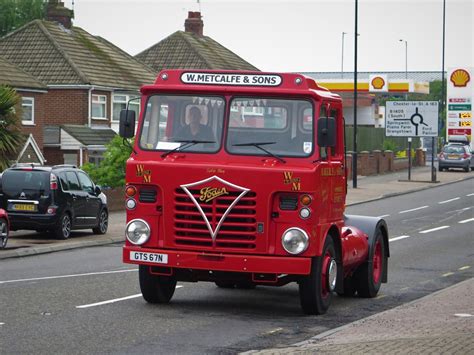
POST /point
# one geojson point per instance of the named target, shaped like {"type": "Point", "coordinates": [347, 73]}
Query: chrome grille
{"type": "Point", "coordinates": [237, 231]}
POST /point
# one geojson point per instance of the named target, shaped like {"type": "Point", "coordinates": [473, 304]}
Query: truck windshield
{"type": "Point", "coordinates": [172, 121]}
{"type": "Point", "coordinates": [287, 124]}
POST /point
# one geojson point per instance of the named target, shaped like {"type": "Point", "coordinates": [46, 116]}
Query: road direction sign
{"type": "Point", "coordinates": [411, 119]}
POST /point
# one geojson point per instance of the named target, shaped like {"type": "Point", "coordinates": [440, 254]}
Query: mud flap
{"type": "Point", "coordinates": [370, 226]}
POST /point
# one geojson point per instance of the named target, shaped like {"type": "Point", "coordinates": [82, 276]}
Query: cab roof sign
{"type": "Point", "coordinates": [231, 79]}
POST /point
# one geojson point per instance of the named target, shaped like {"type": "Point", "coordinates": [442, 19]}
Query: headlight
{"type": "Point", "coordinates": [137, 231]}
{"type": "Point", "coordinates": [295, 240]}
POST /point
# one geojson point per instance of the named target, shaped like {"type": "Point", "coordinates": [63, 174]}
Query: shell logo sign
{"type": "Point", "coordinates": [378, 83]}
{"type": "Point", "coordinates": [460, 78]}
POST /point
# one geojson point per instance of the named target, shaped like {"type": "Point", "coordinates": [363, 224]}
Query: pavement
{"type": "Point", "coordinates": [442, 322]}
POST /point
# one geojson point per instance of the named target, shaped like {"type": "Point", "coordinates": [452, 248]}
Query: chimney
{"type": "Point", "coordinates": [194, 23]}
{"type": "Point", "coordinates": [55, 11]}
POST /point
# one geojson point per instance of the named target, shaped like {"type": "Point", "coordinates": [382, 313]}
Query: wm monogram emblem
{"type": "Point", "coordinates": [288, 179]}
{"type": "Point", "coordinates": [141, 172]}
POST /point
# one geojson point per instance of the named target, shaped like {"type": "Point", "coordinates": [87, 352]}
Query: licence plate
{"type": "Point", "coordinates": [149, 257]}
{"type": "Point", "coordinates": [24, 207]}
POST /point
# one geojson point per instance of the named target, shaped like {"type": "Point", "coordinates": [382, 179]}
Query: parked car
{"type": "Point", "coordinates": [4, 228]}
{"type": "Point", "coordinates": [456, 155]}
{"type": "Point", "coordinates": [58, 199]}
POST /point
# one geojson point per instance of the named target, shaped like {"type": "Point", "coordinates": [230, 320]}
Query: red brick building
{"type": "Point", "coordinates": [85, 82]}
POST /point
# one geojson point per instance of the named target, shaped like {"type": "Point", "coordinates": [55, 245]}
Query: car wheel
{"type": "Point", "coordinates": [3, 233]}
{"type": "Point", "coordinates": [350, 287]}
{"type": "Point", "coordinates": [466, 169]}
{"type": "Point", "coordinates": [369, 275]}
{"type": "Point", "coordinates": [63, 228]}
{"type": "Point", "coordinates": [316, 288]}
{"type": "Point", "coordinates": [155, 288]}
{"type": "Point", "coordinates": [440, 168]}
{"type": "Point", "coordinates": [103, 222]}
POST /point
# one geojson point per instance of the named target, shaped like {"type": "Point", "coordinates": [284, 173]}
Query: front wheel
{"type": "Point", "coordinates": [3, 233]}
{"type": "Point", "coordinates": [155, 288]}
{"type": "Point", "coordinates": [369, 276]}
{"type": "Point", "coordinates": [316, 289]}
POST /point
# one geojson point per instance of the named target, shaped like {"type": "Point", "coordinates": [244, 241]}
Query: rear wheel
{"type": "Point", "coordinates": [155, 288]}
{"type": "Point", "coordinates": [63, 227]}
{"type": "Point", "coordinates": [103, 223]}
{"type": "Point", "coordinates": [316, 289]}
{"type": "Point", "coordinates": [3, 233]}
{"type": "Point", "coordinates": [369, 276]}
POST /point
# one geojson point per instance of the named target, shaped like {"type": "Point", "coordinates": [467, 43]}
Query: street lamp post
{"type": "Point", "coordinates": [354, 153]}
{"type": "Point", "coordinates": [406, 57]}
{"type": "Point", "coordinates": [342, 56]}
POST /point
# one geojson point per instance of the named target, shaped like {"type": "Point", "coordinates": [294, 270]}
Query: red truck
{"type": "Point", "coordinates": [213, 196]}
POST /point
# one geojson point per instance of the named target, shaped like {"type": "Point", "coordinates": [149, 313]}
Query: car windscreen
{"type": "Point", "coordinates": [283, 127]}
{"type": "Point", "coordinates": [29, 181]}
{"type": "Point", "coordinates": [182, 122]}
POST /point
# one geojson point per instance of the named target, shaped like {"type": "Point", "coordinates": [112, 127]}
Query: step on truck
{"type": "Point", "coordinates": [239, 178]}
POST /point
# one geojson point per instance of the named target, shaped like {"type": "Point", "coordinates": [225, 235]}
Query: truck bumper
{"type": "Point", "coordinates": [224, 262]}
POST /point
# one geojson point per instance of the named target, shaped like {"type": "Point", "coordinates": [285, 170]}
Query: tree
{"type": "Point", "coordinates": [16, 13]}
{"type": "Point", "coordinates": [111, 171]}
{"type": "Point", "coordinates": [10, 134]}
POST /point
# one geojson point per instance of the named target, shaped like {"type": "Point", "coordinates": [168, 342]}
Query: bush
{"type": "Point", "coordinates": [111, 171]}
{"type": "Point", "coordinates": [389, 145]}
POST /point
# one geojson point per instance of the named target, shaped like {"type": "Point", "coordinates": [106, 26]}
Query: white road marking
{"type": "Point", "coordinates": [414, 209]}
{"type": "Point", "coordinates": [384, 215]}
{"type": "Point", "coordinates": [467, 220]}
{"type": "Point", "coordinates": [114, 300]}
{"type": "Point", "coordinates": [2, 323]}
{"type": "Point", "coordinates": [464, 268]}
{"type": "Point", "coordinates": [470, 194]}
{"type": "Point", "coordinates": [448, 274]}
{"type": "Point", "coordinates": [463, 315]}
{"type": "Point", "coordinates": [453, 199]}
{"type": "Point", "coordinates": [66, 276]}
{"type": "Point", "coordinates": [399, 238]}
{"type": "Point", "coordinates": [434, 229]}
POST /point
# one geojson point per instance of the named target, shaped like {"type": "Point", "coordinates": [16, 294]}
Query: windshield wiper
{"type": "Point", "coordinates": [259, 146]}
{"type": "Point", "coordinates": [187, 144]}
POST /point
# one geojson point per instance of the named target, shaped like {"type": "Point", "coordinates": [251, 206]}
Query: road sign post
{"type": "Point", "coordinates": [412, 119]}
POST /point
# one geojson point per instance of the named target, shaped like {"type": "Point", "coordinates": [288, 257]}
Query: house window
{"type": "Point", "coordinates": [99, 103]}
{"type": "Point", "coordinates": [28, 108]}
{"type": "Point", "coordinates": [120, 103]}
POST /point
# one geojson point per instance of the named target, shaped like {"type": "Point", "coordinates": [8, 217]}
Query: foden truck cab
{"type": "Point", "coordinates": [239, 178]}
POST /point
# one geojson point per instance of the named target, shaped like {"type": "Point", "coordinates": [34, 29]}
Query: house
{"type": "Point", "coordinates": [192, 50]}
{"type": "Point", "coordinates": [86, 82]}
{"type": "Point", "coordinates": [32, 93]}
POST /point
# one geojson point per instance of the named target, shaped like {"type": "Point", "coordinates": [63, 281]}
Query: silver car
{"type": "Point", "coordinates": [455, 155]}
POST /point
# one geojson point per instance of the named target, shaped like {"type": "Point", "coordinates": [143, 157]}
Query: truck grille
{"type": "Point", "coordinates": [238, 230]}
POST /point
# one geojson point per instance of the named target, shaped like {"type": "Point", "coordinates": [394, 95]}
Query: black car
{"type": "Point", "coordinates": [58, 198]}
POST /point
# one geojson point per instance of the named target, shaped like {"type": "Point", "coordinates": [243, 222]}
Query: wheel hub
{"type": "Point", "coordinates": [332, 275]}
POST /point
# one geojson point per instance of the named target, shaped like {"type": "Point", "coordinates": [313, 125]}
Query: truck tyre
{"type": "Point", "coordinates": [225, 284]}
{"type": "Point", "coordinates": [369, 276]}
{"type": "Point", "coordinates": [155, 288]}
{"type": "Point", "coordinates": [3, 233]}
{"type": "Point", "coordinates": [103, 222]}
{"type": "Point", "coordinates": [316, 289]}
{"type": "Point", "coordinates": [63, 227]}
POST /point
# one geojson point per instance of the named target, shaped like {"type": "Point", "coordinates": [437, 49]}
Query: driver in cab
{"type": "Point", "coordinates": [195, 130]}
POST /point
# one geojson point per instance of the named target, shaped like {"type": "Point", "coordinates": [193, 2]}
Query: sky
{"type": "Point", "coordinates": [298, 36]}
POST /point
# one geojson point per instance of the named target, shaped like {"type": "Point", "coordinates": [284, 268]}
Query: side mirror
{"type": "Point", "coordinates": [327, 132]}
{"type": "Point", "coordinates": [97, 190]}
{"type": "Point", "coordinates": [127, 124]}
